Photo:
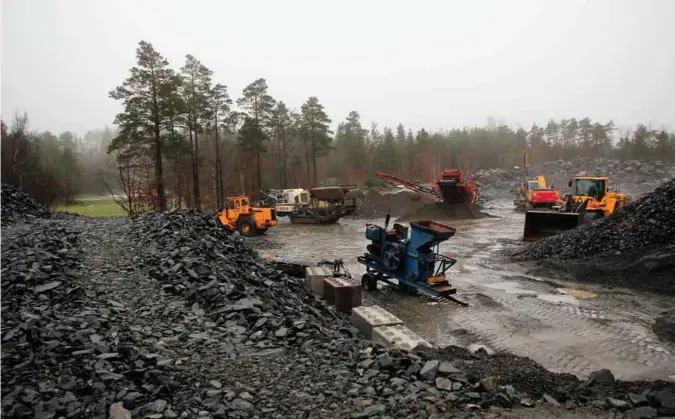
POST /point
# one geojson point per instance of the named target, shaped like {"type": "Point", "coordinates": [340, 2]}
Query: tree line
{"type": "Point", "coordinates": [181, 140]}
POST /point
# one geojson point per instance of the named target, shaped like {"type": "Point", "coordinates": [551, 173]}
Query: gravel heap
{"type": "Point", "coordinates": [18, 206]}
{"type": "Point", "coordinates": [169, 316]}
{"type": "Point", "coordinates": [193, 256]}
{"type": "Point", "coordinates": [632, 177]}
{"type": "Point", "coordinates": [648, 221]}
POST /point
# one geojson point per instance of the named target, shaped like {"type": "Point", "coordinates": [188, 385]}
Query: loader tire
{"type": "Point", "coordinates": [369, 282]}
{"type": "Point", "coordinates": [247, 227]}
{"type": "Point", "coordinates": [261, 231]}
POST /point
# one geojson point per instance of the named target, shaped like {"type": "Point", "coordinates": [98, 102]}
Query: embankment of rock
{"type": "Point", "coordinates": [18, 206]}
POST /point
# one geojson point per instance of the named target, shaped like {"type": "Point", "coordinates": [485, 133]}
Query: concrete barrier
{"type": "Point", "coordinates": [367, 318]}
{"type": "Point", "coordinates": [399, 336]}
{"type": "Point", "coordinates": [314, 277]}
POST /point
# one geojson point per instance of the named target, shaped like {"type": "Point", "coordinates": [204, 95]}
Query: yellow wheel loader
{"type": "Point", "coordinates": [590, 200]}
{"type": "Point", "coordinates": [238, 215]}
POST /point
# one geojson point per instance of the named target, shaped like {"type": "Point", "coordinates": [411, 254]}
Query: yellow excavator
{"type": "Point", "coordinates": [590, 200]}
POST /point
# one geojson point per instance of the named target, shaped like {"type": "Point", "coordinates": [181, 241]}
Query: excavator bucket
{"type": "Point", "coordinates": [542, 224]}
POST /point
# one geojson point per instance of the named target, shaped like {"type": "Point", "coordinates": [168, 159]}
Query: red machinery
{"type": "Point", "coordinates": [455, 188]}
{"type": "Point", "coordinates": [451, 187]}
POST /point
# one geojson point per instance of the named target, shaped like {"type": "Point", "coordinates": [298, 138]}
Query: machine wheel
{"type": "Point", "coordinates": [246, 227]}
{"type": "Point", "coordinates": [369, 282]}
{"type": "Point", "coordinates": [261, 231]}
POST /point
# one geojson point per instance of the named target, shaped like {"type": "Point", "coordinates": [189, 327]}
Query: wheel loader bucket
{"type": "Point", "coordinates": [542, 224]}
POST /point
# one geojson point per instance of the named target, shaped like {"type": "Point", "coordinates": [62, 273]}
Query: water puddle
{"type": "Point", "coordinates": [582, 294]}
{"type": "Point", "coordinates": [510, 287]}
{"type": "Point", "coordinates": [559, 299]}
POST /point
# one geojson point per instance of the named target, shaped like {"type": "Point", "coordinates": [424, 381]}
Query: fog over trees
{"type": "Point", "coordinates": [182, 138]}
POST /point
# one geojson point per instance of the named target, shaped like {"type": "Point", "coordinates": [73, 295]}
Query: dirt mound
{"type": "Point", "coordinates": [377, 203]}
{"type": "Point", "coordinates": [440, 212]}
{"type": "Point", "coordinates": [18, 206]}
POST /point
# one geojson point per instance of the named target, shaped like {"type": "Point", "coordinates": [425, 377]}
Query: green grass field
{"type": "Point", "coordinates": [93, 206]}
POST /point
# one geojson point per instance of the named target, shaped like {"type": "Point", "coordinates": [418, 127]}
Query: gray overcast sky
{"type": "Point", "coordinates": [436, 64]}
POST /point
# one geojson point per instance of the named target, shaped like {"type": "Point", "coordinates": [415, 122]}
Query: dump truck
{"type": "Point", "coordinates": [239, 215]}
{"type": "Point", "coordinates": [589, 200]}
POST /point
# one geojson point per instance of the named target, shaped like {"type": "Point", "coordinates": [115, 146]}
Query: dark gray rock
{"type": "Point", "coordinates": [603, 376]}
{"type": "Point", "coordinates": [644, 412]}
{"type": "Point", "coordinates": [428, 371]}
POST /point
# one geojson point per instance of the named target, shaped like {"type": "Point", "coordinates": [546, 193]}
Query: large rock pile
{"type": "Point", "coordinates": [40, 339]}
{"type": "Point", "coordinates": [192, 255]}
{"type": "Point", "coordinates": [18, 206]}
{"type": "Point", "coordinates": [632, 177]}
{"type": "Point", "coordinates": [638, 240]}
{"type": "Point", "coordinates": [169, 316]}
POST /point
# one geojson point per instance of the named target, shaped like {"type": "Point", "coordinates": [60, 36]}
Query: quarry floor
{"type": "Point", "coordinates": [565, 326]}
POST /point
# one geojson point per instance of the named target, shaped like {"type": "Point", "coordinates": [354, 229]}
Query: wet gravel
{"type": "Point", "coordinates": [167, 315]}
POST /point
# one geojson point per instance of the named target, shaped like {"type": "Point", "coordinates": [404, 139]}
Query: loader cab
{"type": "Point", "coordinates": [595, 187]}
{"type": "Point", "coordinates": [532, 185]}
{"type": "Point", "coordinates": [236, 206]}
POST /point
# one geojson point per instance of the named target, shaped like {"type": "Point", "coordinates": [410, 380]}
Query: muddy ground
{"type": "Point", "coordinates": [567, 327]}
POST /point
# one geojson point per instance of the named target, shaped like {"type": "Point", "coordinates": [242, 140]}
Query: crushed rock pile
{"type": "Point", "coordinates": [638, 239]}
{"type": "Point", "coordinates": [378, 201]}
{"type": "Point", "coordinates": [18, 206]}
{"type": "Point", "coordinates": [632, 177]}
{"type": "Point", "coordinates": [193, 256]}
{"type": "Point", "coordinates": [169, 316]}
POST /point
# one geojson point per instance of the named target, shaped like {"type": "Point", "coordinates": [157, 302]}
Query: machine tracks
{"type": "Point", "coordinates": [562, 337]}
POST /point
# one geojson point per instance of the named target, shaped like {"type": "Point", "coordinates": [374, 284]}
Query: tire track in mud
{"type": "Point", "coordinates": [639, 353]}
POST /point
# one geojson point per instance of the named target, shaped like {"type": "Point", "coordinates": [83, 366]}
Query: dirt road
{"type": "Point", "coordinates": [565, 327]}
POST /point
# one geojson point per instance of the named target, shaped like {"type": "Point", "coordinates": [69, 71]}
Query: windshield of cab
{"type": "Point", "coordinates": [589, 187]}
{"type": "Point", "coordinates": [532, 185]}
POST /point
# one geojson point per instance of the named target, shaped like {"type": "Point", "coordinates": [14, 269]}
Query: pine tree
{"type": "Point", "coordinates": [196, 93]}
{"type": "Point", "coordinates": [144, 95]}
{"type": "Point", "coordinates": [219, 101]}
{"type": "Point", "coordinates": [315, 124]}
{"type": "Point", "coordinates": [258, 105]}
{"type": "Point", "coordinates": [281, 125]}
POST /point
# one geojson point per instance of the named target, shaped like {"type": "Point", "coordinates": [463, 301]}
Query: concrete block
{"type": "Point", "coordinates": [399, 336]}
{"type": "Point", "coordinates": [365, 318]}
{"type": "Point", "coordinates": [347, 295]}
{"type": "Point", "coordinates": [314, 277]}
{"type": "Point", "coordinates": [329, 286]}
